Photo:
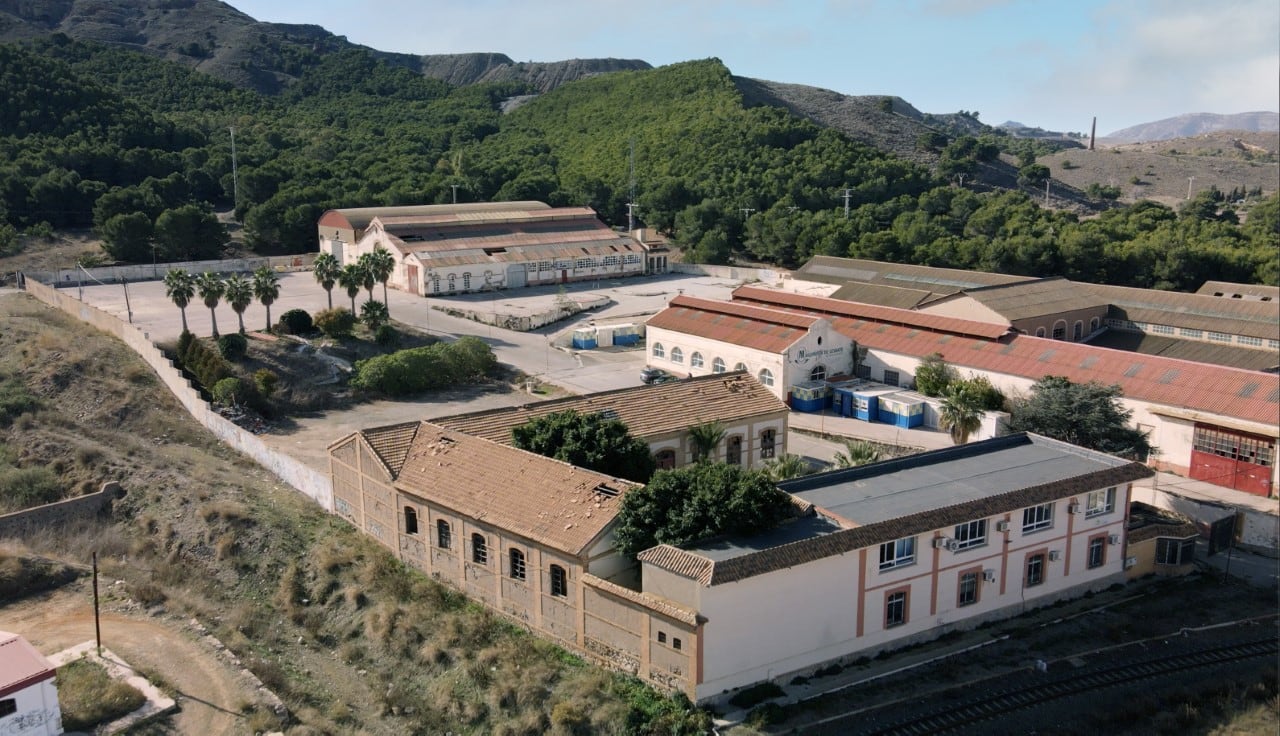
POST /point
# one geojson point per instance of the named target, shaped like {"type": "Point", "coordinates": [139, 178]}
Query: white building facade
{"type": "Point", "coordinates": [28, 696]}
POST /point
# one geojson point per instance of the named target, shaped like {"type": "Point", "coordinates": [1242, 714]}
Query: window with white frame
{"type": "Point", "coordinates": [895, 609]}
{"type": "Point", "coordinates": [717, 365]}
{"type": "Point", "coordinates": [1246, 340]}
{"type": "Point", "coordinates": [1035, 569]}
{"type": "Point", "coordinates": [819, 373]}
{"type": "Point", "coordinates": [766, 376]}
{"type": "Point", "coordinates": [739, 366]}
{"type": "Point", "coordinates": [1036, 518]}
{"type": "Point", "coordinates": [1040, 332]}
{"type": "Point", "coordinates": [1100, 502]}
{"type": "Point", "coordinates": [973, 534]}
{"type": "Point", "coordinates": [1175, 551]}
{"type": "Point", "coordinates": [898, 553]}
{"type": "Point", "coordinates": [1219, 337]}
{"type": "Point", "coordinates": [1097, 552]}
{"type": "Point", "coordinates": [677, 355]}
{"type": "Point", "coordinates": [695, 360]}
{"type": "Point", "coordinates": [968, 591]}
{"type": "Point", "coordinates": [1188, 332]}
{"type": "Point", "coordinates": [659, 351]}
{"type": "Point", "coordinates": [1162, 329]}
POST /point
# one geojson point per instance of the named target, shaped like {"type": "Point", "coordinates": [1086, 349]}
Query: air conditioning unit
{"type": "Point", "coordinates": [989, 575]}
{"type": "Point", "coordinates": [1054, 555]}
{"type": "Point", "coordinates": [1113, 539]}
{"type": "Point", "coordinates": [1002, 526]}
{"type": "Point", "coordinates": [953, 546]}
{"type": "Point", "coordinates": [1130, 562]}
{"type": "Point", "coordinates": [941, 543]}
{"type": "Point", "coordinates": [1074, 508]}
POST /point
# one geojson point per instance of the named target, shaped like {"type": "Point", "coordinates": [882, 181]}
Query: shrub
{"type": "Point", "coordinates": [266, 382]}
{"type": "Point", "coordinates": [228, 391]}
{"type": "Point", "coordinates": [985, 394]}
{"type": "Point", "coordinates": [15, 400]}
{"type": "Point", "coordinates": [421, 369]}
{"type": "Point", "coordinates": [205, 364]}
{"type": "Point", "coordinates": [336, 323]}
{"type": "Point", "coordinates": [233, 346]}
{"type": "Point", "coordinates": [296, 322]}
{"type": "Point", "coordinates": [22, 488]}
{"type": "Point", "coordinates": [387, 336]}
{"type": "Point", "coordinates": [934, 375]}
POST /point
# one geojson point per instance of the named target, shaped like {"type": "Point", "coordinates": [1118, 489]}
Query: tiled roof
{"type": "Point", "coordinates": [1252, 318]}
{"type": "Point", "coordinates": [391, 444]}
{"type": "Point", "coordinates": [832, 269]}
{"type": "Point", "coordinates": [1198, 351]}
{"type": "Point", "coordinates": [1172, 529]}
{"type": "Point", "coordinates": [21, 666]}
{"type": "Point", "coordinates": [771, 330]}
{"type": "Point", "coordinates": [543, 500]}
{"type": "Point", "coordinates": [646, 410]}
{"type": "Point", "coordinates": [830, 307]}
{"type": "Point", "coordinates": [1025, 299]}
{"type": "Point", "coordinates": [359, 218]}
{"type": "Point", "coordinates": [712, 572]}
{"type": "Point", "coordinates": [652, 602]}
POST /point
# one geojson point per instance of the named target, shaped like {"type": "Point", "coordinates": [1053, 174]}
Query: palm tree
{"type": "Point", "coordinates": [239, 294]}
{"type": "Point", "coordinates": [960, 414]}
{"type": "Point", "coordinates": [352, 280]}
{"type": "Point", "coordinates": [787, 467]}
{"type": "Point", "coordinates": [211, 287]}
{"type": "Point", "coordinates": [326, 269]}
{"type": "Point", "coordinates": [374, 315]}
{"type": "Point", "coordinates": [180, 287]}
{"type": "Point", "coordinates": [367, 279]}
{"type": "Point", "coordinates": [705, 438]}
{"type": "Point", "coordinates": [266, 286]}
{"type": "Point", "coordinates": [381, 265]}
{"type": "Point", "coordinates": [857, 453]}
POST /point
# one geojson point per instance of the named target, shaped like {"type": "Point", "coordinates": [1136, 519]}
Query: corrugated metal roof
{"type": "Point", "coordinates": [21, 666]}
{"type": "Point", "coordinates": [646, 410]}
{"type": "Point", "coordinates": [883, 295]}
{"type": "Point", "coordinates": [1194, 311]}
{"type": "Point", "coordinates": [1250, 359]}
{"type": "Point", "coordinates": [1029, 298]}
{"type": "Point", "coordinates": [546, 501]}
{"type": "Point", "coordinates": [831, 269]}
{"type": "Point", "coordinates": [1228, 290]}
{"type": "Point", "coordinates": [358, 218]}
{"type": "Point", "coordinates": [760, 328]}
{"type": "Point", "coordinates": [883, 315]}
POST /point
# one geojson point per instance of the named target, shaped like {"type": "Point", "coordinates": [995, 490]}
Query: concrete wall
{"type": "Point", "coordinates": [60, 512]}
{"type": "Point", "coordinates": [67, 277]}
{"type": "Point", "coordinates": [735, 273]}
{"type": "Point", "coordinates": [1260, 531]}
{"type": "Point", "coordinates": [37, 712]}
{"type": "Point", "coordinates": [310, 482]}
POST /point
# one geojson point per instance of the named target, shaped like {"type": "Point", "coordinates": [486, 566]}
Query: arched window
{"type": "Point", "coordinates": [466, 281]}
{"type": "Point", "coordinates": [733, 450]}
{"type": "Point", "coordinates": [1093, 324]}
{"type": "Point", "coordinates": [517, 570]}
{"type": "Point", "coordinates": [677, 355]}
{"type": "Point", "coordinates": [559, 581]}
{"type": "Point", "coordinates": [479, 549]}
{"type": "Point", "coordinates": [665, 459]}
{"type": "Point", "coordinates": [659, 351]}
{"type": "Point", "coordinates": [766, 376]}
{"type": "Point", "coordinates": [1039, 332]}
{"type": "Point", "coordinates": [444, 535]}
{"type": "Point", "coordinates": [410, 520]}
{"type": "Point", "coordinates": [717, 365]}
{"type": "Point", "coordinates": [1060, 330]}
{"type": "Point", "coordinates": [739, 366]}
{"type": "Point", "coordinates": [453, 282]}
{"type": "Point", "coordinates": [435, 283]}
{"type": "Point", "coordinates": [767, 439]}
{"type": "Point", "coordinates": [695, 360]}
{"type": "Point", "coordinates": [1077, 333]}
{"type": "Point", "coordinates": [819, 373]}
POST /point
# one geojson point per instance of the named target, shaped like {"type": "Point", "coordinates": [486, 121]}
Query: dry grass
{"type": "Point", "coordinates": [89, 696]}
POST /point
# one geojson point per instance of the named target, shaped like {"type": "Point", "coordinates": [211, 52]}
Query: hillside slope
{"type": "Point", "coordinates": [1194, 124]}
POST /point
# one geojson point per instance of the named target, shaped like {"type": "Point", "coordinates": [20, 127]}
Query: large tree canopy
{"type": "Point", "coordinates": [1085, 414]}
{"type": "Point", "coordinates": [697, 502]}
{"type": "Point", "coordinates": [588, 441]}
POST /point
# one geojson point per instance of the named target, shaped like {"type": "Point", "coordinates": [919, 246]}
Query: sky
{"type": "Point", "coordinates": [1047, 63]}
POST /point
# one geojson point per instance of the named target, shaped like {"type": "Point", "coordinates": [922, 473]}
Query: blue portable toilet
{"type": "Point", "coordinates": [902, 409]}
{"type": "Point", "coordinates": [810, 396]}
{"type": "Point", "coordinates": [626, 334]}
{"type": "Point", "coordinates": [584, 339]}
{"type": "Point", "coordinates": [842, 397]}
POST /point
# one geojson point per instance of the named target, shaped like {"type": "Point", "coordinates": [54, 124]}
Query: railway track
{"type": "Point", "coordinates": [974, 710]}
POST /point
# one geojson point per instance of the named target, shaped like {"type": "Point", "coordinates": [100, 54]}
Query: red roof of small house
{"type": "Point", "coordinates": [21, 666]}
{"type": "Point", "coordinates": [760, 328]}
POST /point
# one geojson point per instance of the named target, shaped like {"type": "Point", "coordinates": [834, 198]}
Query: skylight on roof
{"type": "Point", "coordinates": [1133, 370]}
{"type": "Point", "coordinates": [1169, 375]}
{"type": "Point", "coordinates": [1248, 390]}
{"type": "Point", "coordinates": [606, 490]}
{"type": "Point", "coordinates": [1046, 355]}
{"type": "Point", "coordinates": [1089, 361]}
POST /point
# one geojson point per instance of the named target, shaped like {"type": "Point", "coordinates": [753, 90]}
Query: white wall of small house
{"type": "Point", "coordinates": [36, 711]}
{"type": "Point", "coordinates": [669, 340]}
{"type": "Point", "coordinates": [771, 625]}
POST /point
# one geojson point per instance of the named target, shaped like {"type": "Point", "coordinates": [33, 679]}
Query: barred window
{"type": "Point", "coordinates": [1219, 337]}
{"type": "Point", "coordinates": [1162, 329]}
{"type": "Point", "coordinates": [1252, 341]}
{"type": "Point", "coordinates": [1233, 445]}
{"type": "Point", "coordinates": [1187, 332]}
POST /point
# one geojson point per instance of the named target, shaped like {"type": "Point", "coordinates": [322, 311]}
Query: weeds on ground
{"type": "Point", "coordinates": [89, 696]}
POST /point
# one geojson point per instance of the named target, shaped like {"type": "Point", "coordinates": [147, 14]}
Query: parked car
{"type": "Point", "coordinates": [655, 375]}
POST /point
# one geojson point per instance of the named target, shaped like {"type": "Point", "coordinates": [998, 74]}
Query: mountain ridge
{"type": "Point", "coordinates": [1190, 125]}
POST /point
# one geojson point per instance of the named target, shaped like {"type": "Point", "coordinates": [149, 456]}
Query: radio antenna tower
{"type": "Point", "coordinates": [631, 187]}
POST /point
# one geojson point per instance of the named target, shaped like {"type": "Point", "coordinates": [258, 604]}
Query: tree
{"type": "Point", "coordinates": [374, 315]}
{"type": "Point", "coordinates": [326, 270]}
{"type": "Point", "coordinates": [697, 502]}
{"type": "Point", "coordinates": [705, 438]}
{"type": "Point", "coordinates": [381, 264]}
{"type": "Point", "coordinates": [266, 287]}
{"type": "Point", "coordinates": [239, 294]}
{"type": "Point", "coordinates": [211, 287]}
{"type": "Point", "coordinates": [961, 413]}
{"type": "Point", "coordinates": [179, 286]}
{"type": "Point", "coordinates": [1085, 414]}
{"type": "Point", "coordinates": [128, 237]}
{"type": "Point", "coordinates": [589, 441]}
{"type": "Point", "coordinates": [857, 452]}
{"type": "Point", "coordinates": [351, 279]}
{"type": "Point", "coordinates": [787, 467]}
{"type": "Point", "coordinates": [189, 233]}
{"type": "Point", "coordinates": [367, 277]}
{"type": "Point", "coordinates": [934, 375]}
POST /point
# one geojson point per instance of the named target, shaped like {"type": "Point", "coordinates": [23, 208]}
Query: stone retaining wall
{"type": "Point", "coordinates": [19, 523]}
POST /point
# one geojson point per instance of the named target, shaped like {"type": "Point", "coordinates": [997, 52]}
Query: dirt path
{"type": "Point", "coordinates": [210, 691]}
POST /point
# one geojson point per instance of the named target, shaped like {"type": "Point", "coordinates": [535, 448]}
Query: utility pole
{"type": "Point", "coordinates": [631, 217]}
{"type": "Point", "coordinates": [235, 181]}
{"type": "Point", "coordinates": [1190, 180]}
{"type": "Point", "coordinates": [97, 626]}
{"type": "Point", "coordinates": [746, 211]}
{"type": "Point", "coordinates": [1046, 192]}
{"type": "Point", "coordinates": [454, 187]}
{"type": "Point", "coordinates": [848, 193]}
